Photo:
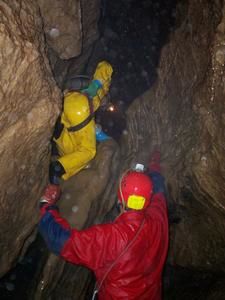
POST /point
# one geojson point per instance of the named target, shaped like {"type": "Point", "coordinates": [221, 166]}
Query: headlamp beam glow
{"type": "Point", "coordinates": [111, 108]}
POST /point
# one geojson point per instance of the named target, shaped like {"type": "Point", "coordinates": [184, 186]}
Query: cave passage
{"type": "Point", "coordinates": [132, 35]}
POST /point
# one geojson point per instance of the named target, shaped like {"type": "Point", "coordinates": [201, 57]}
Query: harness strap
{"type": "Point", "coordinates": [82, 124]}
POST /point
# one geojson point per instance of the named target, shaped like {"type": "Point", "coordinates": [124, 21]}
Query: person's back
{"type": "Point", "coordinates": [127, 255]}
{"type": "Point", "coordinates": [143, 236]}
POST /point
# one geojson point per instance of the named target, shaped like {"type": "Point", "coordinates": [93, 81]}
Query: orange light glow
{"type": "Point", "coordinates": [111, 108]}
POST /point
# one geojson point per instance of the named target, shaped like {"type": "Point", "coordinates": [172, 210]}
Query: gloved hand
{"type": "Point", "coordinates": [51, 195]}
{"type": "Point", "coordinates": [103, 73]}
{"type": "Point", "coordinates": [56, 170]}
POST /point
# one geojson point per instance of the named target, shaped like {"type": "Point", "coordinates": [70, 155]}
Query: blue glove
{"type": "Point", "coordinates": [158, 182]}
{"type": "Point", "coordinates": [100, 135]}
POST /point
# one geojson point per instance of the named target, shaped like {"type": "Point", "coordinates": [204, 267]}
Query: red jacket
{"type": "Point", "coordinates": [136, 274]}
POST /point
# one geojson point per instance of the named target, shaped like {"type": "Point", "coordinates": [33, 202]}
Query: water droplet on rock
{"type": "Point", "coordinates": [9, 286]}
{"type": "Point", "coordinates": [54, 33]}
{"type": "Point", "coordinates": [204, 161]}
{"type": "Point", "coordinates": [23, 167]}
{"type": "Point", "coordinates": [75, 209]}
{"type": "Point", "coordinates": [67, 196]}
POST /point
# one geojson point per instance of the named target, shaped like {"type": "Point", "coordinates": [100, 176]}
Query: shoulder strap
{"type": "Point", "coordinates": [82, 124]}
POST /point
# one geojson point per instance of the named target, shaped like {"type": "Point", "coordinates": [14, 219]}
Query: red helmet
{"type": "Point", "coordinates": [135, 190]}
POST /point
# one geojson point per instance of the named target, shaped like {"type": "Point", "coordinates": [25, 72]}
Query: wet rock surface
{"type": "Point", "coordinates": [88, 13]}
{"type": "Point", "coordinates": [93, 188]}
{"type": "Point", "coordinates": [86, 199]}
{"type": "Point", "coordinates": [29, 105]}
{"type": "Point", "coordinates": [184, 283]}
{"type": "Point", "coordinates": [62, 26]}
{"type": "Point", "coordinates": [184, 114]}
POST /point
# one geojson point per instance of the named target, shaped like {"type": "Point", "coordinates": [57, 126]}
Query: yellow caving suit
{"type": "Point", "coordinates": [77, 148]}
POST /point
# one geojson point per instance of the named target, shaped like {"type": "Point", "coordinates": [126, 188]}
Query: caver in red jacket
{"type": "Point", "coordinates": [136, 274]}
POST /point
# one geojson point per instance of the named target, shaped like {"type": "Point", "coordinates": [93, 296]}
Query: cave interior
{"type": "Point", "coordinates": [167, 90]}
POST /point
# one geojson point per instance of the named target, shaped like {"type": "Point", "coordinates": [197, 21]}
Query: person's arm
{"type": "Point", "coordinates": [158, 207]}
{"type": "Point", "coordinates": [86, 247]}
{"type": "Point", "coordinates": [103, 73]}
{"type": "Point", "coordinates": [158, 182]}
{"type": "Point", "coordinates": [53, 229]}
{"type": "Point", "coordinates": [154, 171]}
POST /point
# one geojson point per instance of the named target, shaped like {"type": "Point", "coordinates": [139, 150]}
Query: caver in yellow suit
{"type": "Point", "coordinates": [76, 143]}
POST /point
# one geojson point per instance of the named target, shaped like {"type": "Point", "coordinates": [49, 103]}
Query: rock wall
{"type": "Point", "coordinates": [86, 199]}
{"type": "Point", "coordinates": [71, 28]}
{"type": "Point", "coordinates": [90, 19]}
{"type": "Point", "coordinates": [29, 104]}
{"type": "Point", "coordinates": [184, 113]}
{"type": "Point", "coordinates": [62, 26]}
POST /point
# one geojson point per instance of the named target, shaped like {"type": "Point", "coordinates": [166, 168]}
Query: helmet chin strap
{"type": "Point", "coordinates": [123, 209]}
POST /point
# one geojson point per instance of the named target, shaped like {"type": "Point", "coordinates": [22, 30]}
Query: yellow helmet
{"type": "Point", "coordinates": [76, 109]}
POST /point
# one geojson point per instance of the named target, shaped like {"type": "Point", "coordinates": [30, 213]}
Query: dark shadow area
{"type": "Point", "coordinates": [17, 283]}
{"type": "Point", "coordinates": [132, 35]}
{"type": "Point", "coordinates": [186, 284]}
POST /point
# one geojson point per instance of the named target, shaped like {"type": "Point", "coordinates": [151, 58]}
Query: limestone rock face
{"type": "Point", "coordinates": [29, 104]}
{"type": "Point", "coordinates": [71, 28]}
{"type": "Point", "coordinates": [62, 26]}
{"type": "Point", "coordinates": [90, 18]}
{"type": "Point", "coordinates": [217, 291]}
{"type": "Point", "coordinates": [185, 114]}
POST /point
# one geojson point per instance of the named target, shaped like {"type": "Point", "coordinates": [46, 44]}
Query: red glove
{"type": "Point", "coordinates": [154, 165]}
{"type": "Point", "coordinates": [51, 194]}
